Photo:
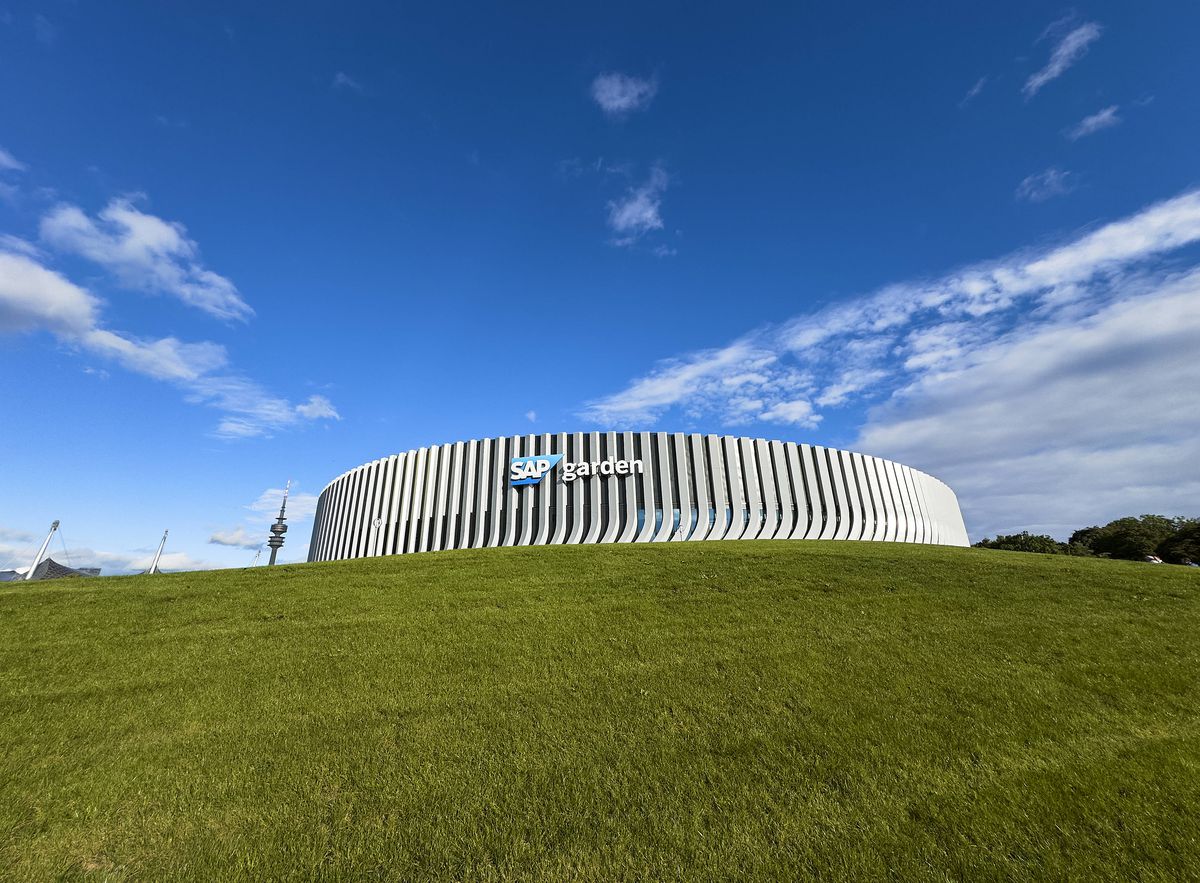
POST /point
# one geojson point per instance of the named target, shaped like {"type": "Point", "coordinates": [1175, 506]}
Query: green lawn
{"type": "Point", "coordinates": [753, 710]}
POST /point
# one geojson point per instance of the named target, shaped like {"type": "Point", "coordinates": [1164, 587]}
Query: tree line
{"type": "Point", "coordinates": [1173, 540]}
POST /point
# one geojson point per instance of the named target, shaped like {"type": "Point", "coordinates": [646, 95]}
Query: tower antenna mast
{"type": "Point", "coordinates": [279, 528]}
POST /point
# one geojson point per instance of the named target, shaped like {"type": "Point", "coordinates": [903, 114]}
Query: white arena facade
{"type": "Point", "coordinates": [625, 487]}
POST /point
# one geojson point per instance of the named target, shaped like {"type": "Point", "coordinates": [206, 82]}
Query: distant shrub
{"type": "Point", "coordinates": [1025, 542]}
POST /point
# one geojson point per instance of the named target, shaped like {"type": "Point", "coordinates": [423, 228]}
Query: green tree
{"type": "Point", "coordinates": [1024, 542]}
{"type": "Point", "coordinates": [1183, 544]}
{"type": "Point", "coordinates": [1134, 538]}
{"type": "Point", "coordinates": [1085, 537]}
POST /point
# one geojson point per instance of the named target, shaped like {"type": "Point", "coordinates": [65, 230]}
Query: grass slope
{"type": "Point", "coordinates": [761, 710]}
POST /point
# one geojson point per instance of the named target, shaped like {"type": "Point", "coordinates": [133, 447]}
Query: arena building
{"type": "Point", "coordinates": [625, 487]}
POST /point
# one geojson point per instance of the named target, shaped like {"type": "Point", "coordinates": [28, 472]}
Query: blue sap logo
{"type": "Point", "coordinates": [531, 470]}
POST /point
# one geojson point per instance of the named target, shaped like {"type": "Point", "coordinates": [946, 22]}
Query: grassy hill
{"type": "Point", "coordinates": [764, 710]}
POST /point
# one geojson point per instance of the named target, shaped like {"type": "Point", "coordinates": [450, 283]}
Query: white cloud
{"type": "Point", "coordinates": [317, 408]}
{"type": "Point", "coordinates": [1072, 47]}
{"type": "Point", "coordinates": [9, 192]}
{"type": "Point", "coordinates": [930, 347]}
{"type": "Point", "coordinates": [251, 411]}
{"type": "Point", "coordinates": [639, 211]}
{"type": "Point", "coordinates": [1069, 422]}
{"type": "Point", "coordinates": [531, 416]}
{"type": "Point", "coordinates": [1045, 185]}
{"type": "Point", "coordinates": [170, 562]}
{"type": "Point", "coordinates": [9, 163]}
{"type": "Point", "coordinates": [299, 506]}
{"type": "Point", "coordinates": [964, 297]}
{"type": "Point", "coordinates": [342, 80]}
{"type": "Point", "coordinates": [146, 253]}
{"type": "Point", "coordinates": [851, 381]}
{"type": "Point", "coordinates": [238, 537]}
{"type": "Point", "coordinates": [672, 382]}
{"type": "Point", "coordinates": [619, 94]}
{"type": "Point", "coordinates": [33, 297]}
{"type": "Point", "coordinates": [1101, 119]}
{"type": "Point", "coordinates": [162, 359]}
{"type": "Point", "coordinates": [973, 92]}
{"type": "Point", "coordinates": [738, 383]}
{"type": "Point", "coordinates": [16, 245]}
{"type": "Point", "coordinates": [798, 412]}
{"type": "Point", "coordinates": [255, 413]}
{"type": "Point", "coordinates": [1071, 359]}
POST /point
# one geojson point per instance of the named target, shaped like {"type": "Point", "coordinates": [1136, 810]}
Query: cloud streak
{"type": "Point", "coordinates": [740, 383]}
{"type": "Point", "coordinates": [9, 163]}
{"type": "Point", "coordinates": [1101, 119]}
{"type": "Point", "coordinates": [145, 253]}
{"type": "Point", "coordinates": [342, 80]}
{"type": "Point", "coordinates": [1045, 185]}
{"type": "Point", "coordinates": [1072, 47]}
{"type": "Point", "coordinates": [973, 92]}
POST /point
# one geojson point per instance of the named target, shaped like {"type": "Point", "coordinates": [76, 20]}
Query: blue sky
{"type": "Point", "coordinates": [246, 244]}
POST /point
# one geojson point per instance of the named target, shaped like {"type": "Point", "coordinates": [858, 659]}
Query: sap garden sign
{"type": "Point", "coordinates": [531, 470]}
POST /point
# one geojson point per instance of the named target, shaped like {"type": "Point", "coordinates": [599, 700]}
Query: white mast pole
{"type": "Point", "coordinates": [158, 554]}
{"type": "Point", "coordinates": [42, 551]}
